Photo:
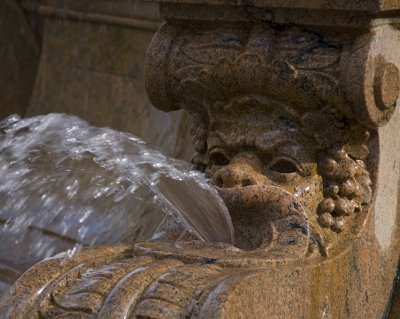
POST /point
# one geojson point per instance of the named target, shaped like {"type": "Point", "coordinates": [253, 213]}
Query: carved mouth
{"type": "Point", "coordinates": [263, 215]}
{"type": "Point", "coordinates": [271, 200]}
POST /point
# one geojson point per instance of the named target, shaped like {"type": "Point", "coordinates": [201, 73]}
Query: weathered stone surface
{"type": "Point", "coordinates": [269, 99]}
{"type": "Point", "coordinates": [297, 127]}
{"type": "Point", "coordinates": [355, 16]}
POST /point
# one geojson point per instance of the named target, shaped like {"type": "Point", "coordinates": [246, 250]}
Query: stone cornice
{"type": "Point", "coordinates": [371, 6]}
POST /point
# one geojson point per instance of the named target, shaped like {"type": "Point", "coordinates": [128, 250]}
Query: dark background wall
{"type": "Point", "coordinates": [85, 58]}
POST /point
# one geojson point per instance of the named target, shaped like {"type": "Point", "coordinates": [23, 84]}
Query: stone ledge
{"type": "Point", "coordinates": [340, 5]}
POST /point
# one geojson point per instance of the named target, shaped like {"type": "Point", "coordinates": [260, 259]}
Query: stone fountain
{"type": "Point", "coordinates": [295, 123]}
{"type": "Point", "coordinates": [91, 64]}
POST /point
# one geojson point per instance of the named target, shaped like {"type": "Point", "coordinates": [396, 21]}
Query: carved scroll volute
{"type": "Point", "coordinates": [156, 68]}
{"type": "Point", "coordinates": [370, 75]}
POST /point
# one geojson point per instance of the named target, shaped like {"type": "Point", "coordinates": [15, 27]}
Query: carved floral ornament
{"type": "Point", "coordinates": [279, 108]}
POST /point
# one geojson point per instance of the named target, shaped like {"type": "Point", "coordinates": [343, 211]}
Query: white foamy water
{"type": "Point", "coordinates": [61, 176]}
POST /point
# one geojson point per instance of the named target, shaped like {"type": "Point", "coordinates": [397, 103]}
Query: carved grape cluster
{"type": "Point", "coordinates": [346, 188]}
{"type": "Point", "coordinates": [341, 145]}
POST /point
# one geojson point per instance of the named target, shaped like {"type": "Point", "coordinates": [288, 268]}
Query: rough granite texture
{"type": "Point", "coordinates": [297, 128]}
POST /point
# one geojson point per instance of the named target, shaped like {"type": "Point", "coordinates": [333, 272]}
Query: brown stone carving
{"type": "Point", "coordinates": [269, 111]}
{"type": "Point", "coordinates": [295, 123]}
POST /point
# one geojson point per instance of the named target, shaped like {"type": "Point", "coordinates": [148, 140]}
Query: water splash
{"type": "Point", "coordinates": [61, 178]}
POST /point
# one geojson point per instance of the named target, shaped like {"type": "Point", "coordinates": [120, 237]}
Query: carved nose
{"type": "Point", "coordinates": [234, 176]}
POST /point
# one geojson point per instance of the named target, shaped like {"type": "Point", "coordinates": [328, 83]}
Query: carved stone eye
{"type": "Point", "coordinates": [284, 166]}
{"type": "Point", "coordinates": [218, 157]}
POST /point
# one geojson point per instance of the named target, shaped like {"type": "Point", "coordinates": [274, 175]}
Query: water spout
{"type": "Point", "coordinates": [92, 185]}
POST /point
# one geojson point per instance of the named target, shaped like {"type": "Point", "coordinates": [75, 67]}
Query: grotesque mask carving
{"type": "Point", "coordinates": [257, 149]}
{"type": "Point", "coordinates": [273, 132]}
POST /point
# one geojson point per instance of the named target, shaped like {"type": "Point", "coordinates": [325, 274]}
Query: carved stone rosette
{"type": "Point", "coordinates": [295, 123]}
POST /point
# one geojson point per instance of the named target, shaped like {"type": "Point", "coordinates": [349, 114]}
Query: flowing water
{"type": "Point", "coordinates": [61, 177]}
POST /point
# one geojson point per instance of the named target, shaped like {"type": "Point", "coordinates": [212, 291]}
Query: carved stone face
{"type": "Point", "coordinates": [289, 177]}
{"type": "Point", "coordinates": [258, 158]}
